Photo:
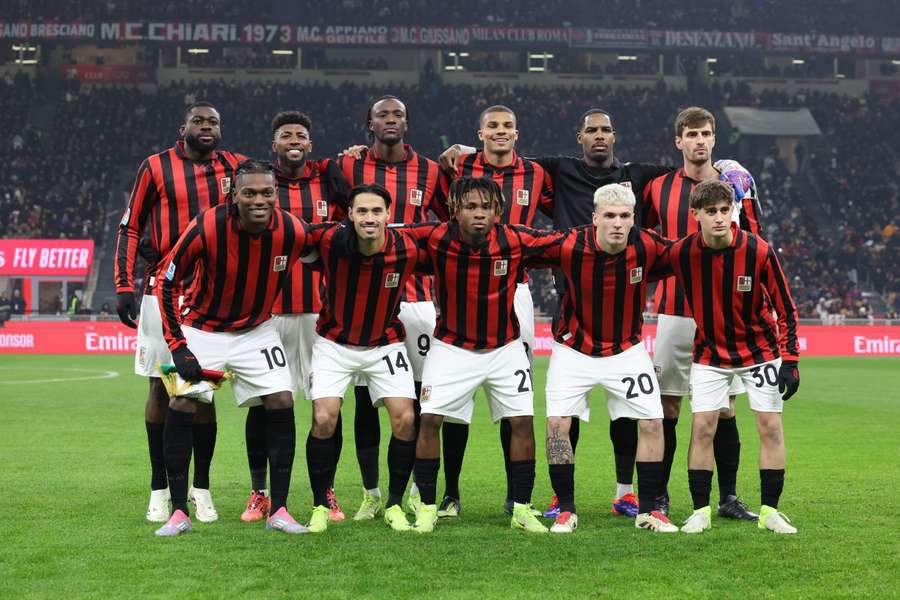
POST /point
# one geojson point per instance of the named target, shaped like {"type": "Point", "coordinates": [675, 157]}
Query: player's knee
{"type": "Point", "coordinates": [403, 422]}
{"type": "Point", "coordinates": [522, 426]}
{"type": "Point", "coordinates": [771, 432]}
{"type": "Point", "coordinates": [650, 427]}
{"type": "Point", "coordinates": [671, 406]}
{"type": "Point", "coordinates": [430, 423]}
{"type": "Point", "coordinates": [559, 424]}
{"type": "Point", "coordinates": [703, 429]}
{"type": "Point", "coordinates": [183, 404]}
{"type": "Point", "coordinates": [324, 421]}
{"type": "Point", "coordinates": [279, 401]}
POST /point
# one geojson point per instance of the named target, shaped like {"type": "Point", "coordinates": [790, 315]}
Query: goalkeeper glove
{"type": "Point", "coordinates": [788, 379]}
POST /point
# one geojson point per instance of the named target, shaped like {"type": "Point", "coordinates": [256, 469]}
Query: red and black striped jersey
{"type": "Point", "coordinates": [363, 293]}
{"type": "Point", "coordinates": [667, 205]}
{"type": "Point", "coordinates": [601, 312]}
{"type": "Point", "coordinates": [525, 184]}
{"type": "Point", "coordinates": [319, 194]}
{"type": "Point", "coordinates": [475, 286]}
{"type": "Point", "coordinates": [416, 185]}
{"type": "Point", "coordinates": [170, 189]}
{"type": "Point", "coordinates": [731, 293]}
{"type": "Point", "coordinates": [237, 275]}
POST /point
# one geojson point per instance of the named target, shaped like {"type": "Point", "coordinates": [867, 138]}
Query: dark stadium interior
{"type": "Point", "coordinates": [71, 147]}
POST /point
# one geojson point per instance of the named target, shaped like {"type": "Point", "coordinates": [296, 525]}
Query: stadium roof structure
{"type": "Point", "coordinates": [755, 121]}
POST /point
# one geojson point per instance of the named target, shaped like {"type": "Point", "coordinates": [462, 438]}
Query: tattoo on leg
{"type": "Point", "coordinates": [559, 448]}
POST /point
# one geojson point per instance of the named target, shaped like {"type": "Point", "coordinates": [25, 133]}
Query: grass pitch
{"type": "Point", "coordinates": [75, 479]}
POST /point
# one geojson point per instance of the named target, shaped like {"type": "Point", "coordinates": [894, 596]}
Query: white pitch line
{"type": "Point", "coordinates": [97, 374]}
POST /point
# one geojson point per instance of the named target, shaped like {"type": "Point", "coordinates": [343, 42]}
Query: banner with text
{"type": "Point", "coordinates": [110, 337]}
{"type": "Point", "coordinates": [35, 258]}
{"type": "Point", "coordinates": [462, 36]}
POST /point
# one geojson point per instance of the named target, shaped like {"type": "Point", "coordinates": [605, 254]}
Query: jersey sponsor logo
{"type": "Point", "coordinates": [280, 263]}
{"type": "Point", "coordinates": [142, 356]}
{"type": "Point", "coordinates": [636, 275]}
{"type": "Point", "coordinates": [321, 208]}
{"type": "Point", "coordinates": [391, 280]}
{"type": "Point", "coordinates": [426, 394]}
{"type": "Point", "coordinates": [522, 197]}
{"type": "Point", "coordinates": [415, 197]}
{"type": "Point", "coordinates": [744, 283]}
{"type": "Point", "coordinates": [170, 272]}
{"type": "Point", "coordinates": [126, 216]}
{"type": "Point", "coordinates": [225, 185]}
{"type": "Point", "coordinates": [500, 267]}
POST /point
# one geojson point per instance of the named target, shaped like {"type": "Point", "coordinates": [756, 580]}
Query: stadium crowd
{"type": "Point", "coordinates": [62, 182]}
{"type": "Point", "coordinates": [828, 16]}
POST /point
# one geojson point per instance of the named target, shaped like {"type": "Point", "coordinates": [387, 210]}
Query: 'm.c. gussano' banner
{"type": "Point", "coordinates": [36, 258]}
{"type": "Point", "coordinates": [285, 34]}
{"type": "Point", "coordinates": [110, 337]}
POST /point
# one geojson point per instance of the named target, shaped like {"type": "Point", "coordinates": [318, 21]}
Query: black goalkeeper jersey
{"type": "Point", "coordinates": [574, 184]}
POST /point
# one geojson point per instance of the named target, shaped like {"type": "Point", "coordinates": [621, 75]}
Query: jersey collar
{"type": "Point", "coordinates": [407, 153]}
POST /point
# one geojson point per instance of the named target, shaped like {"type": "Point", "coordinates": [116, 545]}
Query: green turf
{"type": "Point", "coordinates": [75, 475]}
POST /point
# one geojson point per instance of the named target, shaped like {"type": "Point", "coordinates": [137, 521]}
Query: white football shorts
{"type": "Point", "coordinates": [255, 357]}
{"type": "Point", "coordinates": [452, 375]}
{"type": "Point", "coordinates": [386, 370]}
{"type": "Point", "coordinates": [629, 380]}
{"type": "Point", "coordinates": [418, 320]}
{"type": "Point", "coordinates": [710, 386]}
{"type": "Point", "coordinates": [523, 304]}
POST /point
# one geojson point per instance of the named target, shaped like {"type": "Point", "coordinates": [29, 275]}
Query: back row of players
{"type": "Point", "coordinates": [220, 277]}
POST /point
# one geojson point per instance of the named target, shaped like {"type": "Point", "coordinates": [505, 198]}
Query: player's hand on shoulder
{"type": "Point", "coordinates": [127, 308]}
{"type": "Point", "coordinates": [187, 365]}
{"type": "Point", "coordinates": [788, 379]}
{"type": "Point", "coordinates": [449, 159]}
{"type": "Point", "coordinates": [354, 152]}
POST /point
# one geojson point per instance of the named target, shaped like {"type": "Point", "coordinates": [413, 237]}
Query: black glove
{"type": "Point", "coordinates": [788, 379]}
{"type": "Point", "coordinates": [187, 365]}
{"type": "Point", "coordinates": [127, 309]}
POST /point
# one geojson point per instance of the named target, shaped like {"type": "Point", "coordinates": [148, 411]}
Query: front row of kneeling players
{"type": "Point", "coordinates": [476, 263]}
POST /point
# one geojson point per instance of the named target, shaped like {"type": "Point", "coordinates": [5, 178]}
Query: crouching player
{"type": "Point", "coordinates": [732, 281]}
{"type": "Point", "coordinates": [477, 263]}
{"type": "Point", "coordinates": [359, 333]}
{"type": "Point", "coordinates": [606, 266]}
{"type": "Point", "coordinates": [239, 254]}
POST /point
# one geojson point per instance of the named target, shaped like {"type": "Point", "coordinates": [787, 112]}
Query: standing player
{"type": "Point", "coordinates": [666, 204]}
{"type": "Point", "coordinates": [416, 186]}
{"type": "Point", "coordinates": [477, 263]}
{"type": "Point", "coordinates": [607, 266]}
{"type": "Point", "coordinates": [526, 188]}
{"type": "Point", "coordinates": [359, 334]}
{"type": "Point", "coordinates": [239, 254]}
{"type": "Point", "coordinates": [314, 191]}
{"type": "Point", "coordinates": [170, 189]}
{"type": "Point", "coordinates": [732, 280]}
{"type": "Point", "coordinates": [574, 180]}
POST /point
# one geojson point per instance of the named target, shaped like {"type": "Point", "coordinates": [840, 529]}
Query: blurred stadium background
{"type": "Point", "coordinates": [88, 89]}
